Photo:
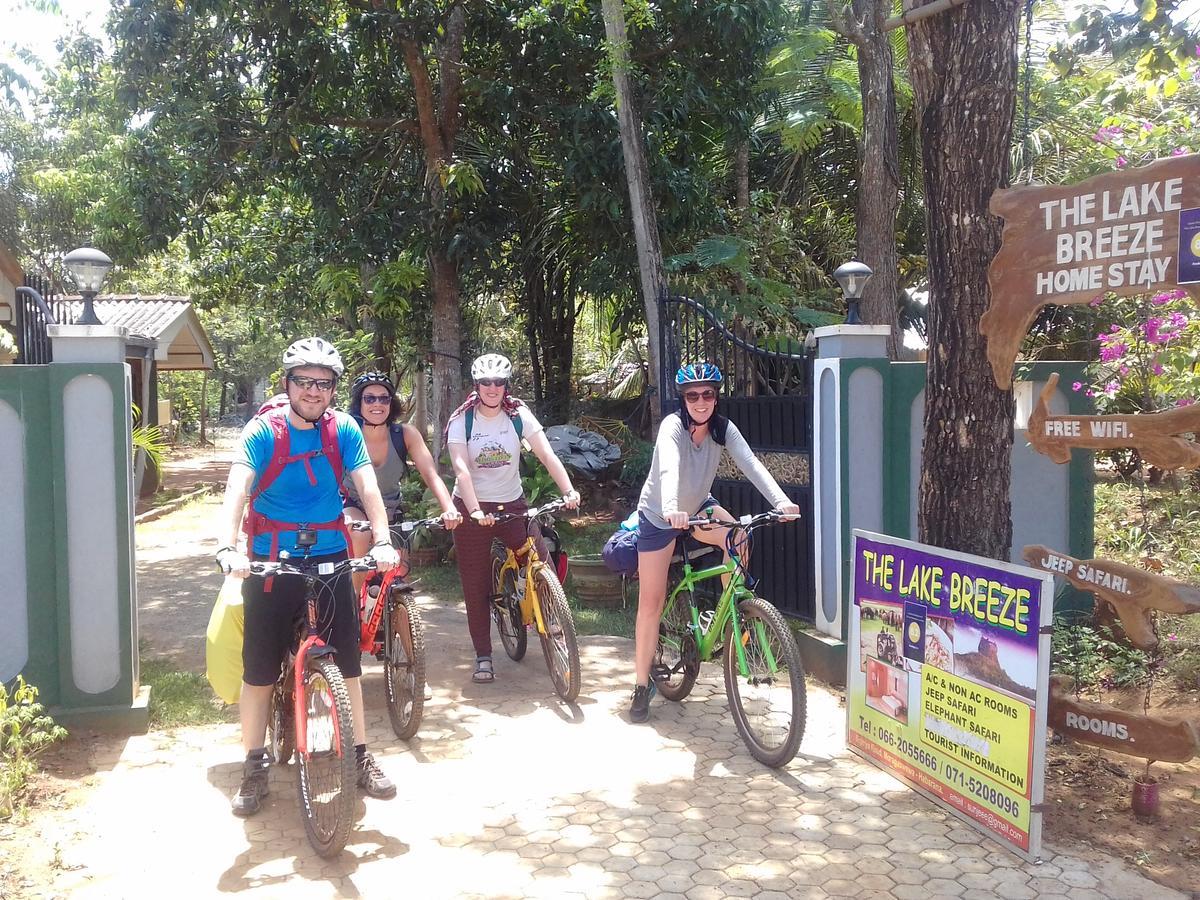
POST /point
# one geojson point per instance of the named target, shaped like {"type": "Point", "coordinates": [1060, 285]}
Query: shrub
{"type": "Point", "coordinates": [25, 730]}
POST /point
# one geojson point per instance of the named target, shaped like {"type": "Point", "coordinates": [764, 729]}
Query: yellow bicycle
{"type": "Point", "coordinates": [526, 593]}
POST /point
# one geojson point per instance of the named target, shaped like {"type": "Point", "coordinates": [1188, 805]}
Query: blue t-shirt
{"type": "Point", "coordinates": [291, 497]}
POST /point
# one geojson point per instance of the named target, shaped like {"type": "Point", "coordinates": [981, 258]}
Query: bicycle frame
{"type": "Point", "coordinates": [531, 608]}
{"type": "Point", "coordinates": [733, 593]}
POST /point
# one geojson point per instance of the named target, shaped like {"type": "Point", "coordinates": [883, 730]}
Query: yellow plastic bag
{"type": "Point", "coordinates": [223, 643]}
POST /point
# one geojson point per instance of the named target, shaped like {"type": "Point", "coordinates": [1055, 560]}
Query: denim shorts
{"type": "Point", "coordinates": [651, 537]}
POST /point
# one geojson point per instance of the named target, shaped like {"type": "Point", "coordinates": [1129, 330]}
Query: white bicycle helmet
{"type": "Point", "coordinates": [491, 365]}
{"type": "Point", "coordinates": [313, 351]}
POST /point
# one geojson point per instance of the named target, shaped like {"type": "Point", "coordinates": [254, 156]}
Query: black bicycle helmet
{"type": "Point", "coordinates": [362, 382]}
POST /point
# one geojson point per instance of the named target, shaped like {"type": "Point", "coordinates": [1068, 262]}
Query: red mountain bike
{"type": "Point", "coordinates": [310, 714]}
{"type": "Point", "coordinates": [393, 632]}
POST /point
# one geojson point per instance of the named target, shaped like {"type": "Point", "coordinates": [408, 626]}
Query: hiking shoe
{"type": "Point", "coordinates": [372, 780]}
{"type": "Point", "coordinates": [248, 800]}
{"type": "Point", "coordinates": [639, 709]}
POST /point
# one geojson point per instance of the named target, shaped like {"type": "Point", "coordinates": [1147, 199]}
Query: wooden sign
{"type": "Point", "coordinates": [1131, 591]}
{"type": "Point", "coordinates": [1124, 232]}
{"type": "Point", "coordinates": [1159, 738]}
{"type": "Point", "coordinates": [1154, 435]}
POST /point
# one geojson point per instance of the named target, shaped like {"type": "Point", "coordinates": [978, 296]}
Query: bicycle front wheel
{"type": "Point", "coordinates": [404, 665]}
{"type": "Point", "coordinates": [558, 640]}
{"type": "Point", "coordinates": [768, 703]}
{"type": "Point", "coordinates": [328, 775]}
{"type": "Point", "coordinates": [506, 607]}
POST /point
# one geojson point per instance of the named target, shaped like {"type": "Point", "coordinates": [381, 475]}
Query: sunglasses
{"type": "Point", "coordinates": [304, 383]}
{"type": "Point", "coordinates": [376, 399]}
{"type": "Point", "coordinates": [697, 396]}
{"type": "Point", "coordinates": [492, 382]}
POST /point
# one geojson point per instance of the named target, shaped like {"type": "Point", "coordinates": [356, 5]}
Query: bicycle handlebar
{"type": "Point", "coordinates": [306, 567]}
{"type": "Point", "coordinates": [771, 516]}
{"type": "Point", "coordinates": [402, 527]}
{"type": "Point", "coordinates": [533, 512]}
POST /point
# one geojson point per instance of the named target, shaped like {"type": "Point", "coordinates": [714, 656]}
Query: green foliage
{"type": "Point", "coordinates": [149, 440]}
{"type": "Point", "coordinates": [1094, 659]}
{"type": "Point", "coordinates": [537, 484]}
{"type": "Point", "coordinates": [25, 731]}
{"type": "Point", "coordinates": [638, 457]}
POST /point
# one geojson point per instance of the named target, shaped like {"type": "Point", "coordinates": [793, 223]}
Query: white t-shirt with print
{"type": "Point", "coordinates": [494, 452]}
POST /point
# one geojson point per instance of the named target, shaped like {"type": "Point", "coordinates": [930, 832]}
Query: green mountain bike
{"type": "Point", "coordinates": [764, 677]}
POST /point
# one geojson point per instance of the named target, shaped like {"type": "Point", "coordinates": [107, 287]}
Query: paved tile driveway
{"type": "Point", "coordinates": [507, 793]}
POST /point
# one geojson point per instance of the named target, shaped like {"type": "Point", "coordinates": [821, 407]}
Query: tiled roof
{"type": "Point", "coordinates": [146, 316]}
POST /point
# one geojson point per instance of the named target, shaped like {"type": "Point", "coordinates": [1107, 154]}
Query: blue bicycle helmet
{"type": "Point", "coordinates": [696, 373]}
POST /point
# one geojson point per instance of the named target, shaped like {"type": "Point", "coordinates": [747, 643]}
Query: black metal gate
{"type": "Point", "coordinates": [768, 395]}
{"type": "Point", "coordinates": [33, 343]}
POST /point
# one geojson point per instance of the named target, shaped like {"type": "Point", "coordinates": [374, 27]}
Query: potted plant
{"type": "Point", "coordinates": [427, 546]}
{"type": "Point", "coordinates": [594, 583]}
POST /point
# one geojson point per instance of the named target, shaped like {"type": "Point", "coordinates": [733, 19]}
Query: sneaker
{"type": "Point", "coordinates": [639, 709]}
{"type": "Point", "coordinates": [372, 780]}
{"type": "Point", "coordinates": [248, 800]}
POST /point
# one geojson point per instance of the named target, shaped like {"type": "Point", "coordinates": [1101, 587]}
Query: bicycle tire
{"type": "Point", "coordinates": [404, 676]}
{"type": "Point", "coordinates": [281, 719]}
{"type": "Point", "coordinates": [506, 608]}
{"type": "Point", "coordinates": [328, 776]}
{"type": "Point", "coordinates": [773, 744]}
{"type": "Point", "coordinates": [560, 647]}
{"type": "Point", "coordinates": [676, 648]}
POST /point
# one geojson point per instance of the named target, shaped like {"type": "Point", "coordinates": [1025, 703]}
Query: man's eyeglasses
{"type": "Point", "coordinates": [376, 399]}
{"type": "Point", "coordinates": [304, 382]}
{"type": "Point", "coordinates": [697, 396]}
{"type": "Point", "coordinates": [492, 382]}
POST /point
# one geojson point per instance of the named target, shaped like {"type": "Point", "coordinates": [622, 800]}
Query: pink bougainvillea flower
{"type": "Point", "coordinates": [1096, 301]}
{"type": "Point", "coordinates": [1146, 126]}
{"type": "Point", "coordinates": [1124, 370]}
{"type": "Point", "coordinates": [1077, 386]}
{"type": "Point", "coordinates": [1177, 319]}
{"type": "Point", "coordinates": [1115, 328]}
{"type": "Point", "coordinates": [1107, 133]}
{"type": "Point", "coordinates": [1112, 387]}
{"type": "Point", "coordinates": [1113, 352]}
{"type": "Point", "coordinates": [1179, 151]}
{"type": "Point", "coordinates": [1157, 368]}
{"type": "Point", "coordinates": [1122, 162]}
{"type": "Point", "coordinates": [1184, 401]}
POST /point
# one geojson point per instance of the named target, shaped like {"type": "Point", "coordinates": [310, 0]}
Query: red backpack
{"type": "Point", "coordinates": [275, 412]}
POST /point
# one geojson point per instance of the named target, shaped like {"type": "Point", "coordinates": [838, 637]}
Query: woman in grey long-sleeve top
{"type": "Point", "coordinates": [687, 452]}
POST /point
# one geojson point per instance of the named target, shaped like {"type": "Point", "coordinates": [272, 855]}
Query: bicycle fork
{"type": "Point", "coordinates": [312, 642]}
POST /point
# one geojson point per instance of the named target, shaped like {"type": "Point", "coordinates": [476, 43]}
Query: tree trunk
{"type": "Point", "coordinates": [204, 409]}
{"type": "Point", "coordinates": [641, 200]}
{"type": "Point", "coordinates": [963, 65]}
{"type": "Point", "coordinates": [741, 175]}
{"type": "Point", "coordinates": [420, 414]}
{"type": "Point", "coordinates": [879, 171]}
{"type": "Point", "coordinates": [447, 343]}
{"type": "Point", "coordinates": [440, 118]}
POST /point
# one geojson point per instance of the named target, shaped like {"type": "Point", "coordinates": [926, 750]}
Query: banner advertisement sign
{"type": "Point", "coordinates": [948, 680]}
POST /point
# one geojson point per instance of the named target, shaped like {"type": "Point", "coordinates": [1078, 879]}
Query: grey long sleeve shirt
{"type": "Point", "coordinates": [681, 473]}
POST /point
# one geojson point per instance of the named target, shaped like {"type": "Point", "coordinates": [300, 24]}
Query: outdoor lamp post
{"type": "Point", "coordinates": [853, 277]}
{"type": "Point", "coordinates": [88, 267]}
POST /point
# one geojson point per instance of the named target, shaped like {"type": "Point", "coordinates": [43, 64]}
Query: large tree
{"type": "Point", "coordinates": [963, 65]}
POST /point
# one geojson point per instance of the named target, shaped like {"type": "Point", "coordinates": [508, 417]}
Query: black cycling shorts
{"type": "Point", "coordinates": [271, 617]}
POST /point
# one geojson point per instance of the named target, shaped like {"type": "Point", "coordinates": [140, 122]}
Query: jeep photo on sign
{"type": "Point", "coordinates": [947, 682]}
{"type": "Point", "coordinates": [1127, 232]}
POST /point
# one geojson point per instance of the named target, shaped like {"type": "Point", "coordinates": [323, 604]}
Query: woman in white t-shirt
{"type": "Point", "coordinates": [487, 469]}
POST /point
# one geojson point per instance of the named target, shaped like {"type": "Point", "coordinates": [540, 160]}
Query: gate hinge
{"type": "Point", "coordinates": [1046, 629]}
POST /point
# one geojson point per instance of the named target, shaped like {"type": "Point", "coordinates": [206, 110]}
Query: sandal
{"type": "Point", "coordinates": [483, 670]}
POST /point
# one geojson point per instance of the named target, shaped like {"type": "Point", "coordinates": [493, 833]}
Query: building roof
{"type": "Point", "coordinates": [167, 322]}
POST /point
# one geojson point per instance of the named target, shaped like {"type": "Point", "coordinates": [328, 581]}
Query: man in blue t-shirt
{"type": "Point", "coordinates": [305, 490]}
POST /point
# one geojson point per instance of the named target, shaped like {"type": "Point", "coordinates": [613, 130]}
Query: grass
{"type": "Point", "coordinates": [181, 698]}
{"type": "Point", "coordinates": [1155, 527]}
